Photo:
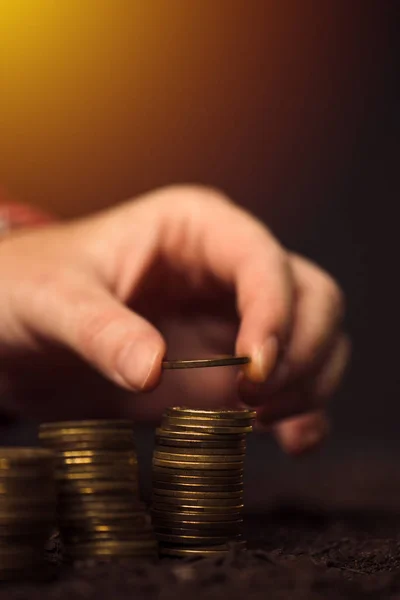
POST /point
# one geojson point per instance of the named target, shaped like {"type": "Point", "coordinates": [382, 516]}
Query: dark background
{"type": "Point", "coordinates": [291, 108]}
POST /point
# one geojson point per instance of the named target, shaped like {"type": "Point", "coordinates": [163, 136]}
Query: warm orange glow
{"type": "Point", "coordinates": [100, 99]}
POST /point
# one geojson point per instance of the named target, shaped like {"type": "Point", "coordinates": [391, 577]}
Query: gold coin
{"type": "Point", "coordinates": [178, 479]}
{"type": "Point", "coordinates": [217, 466]}
{"type": "Point", "coordinates": [182, 424]}
{"type": "Point", "coordinates": [207, 421]}
{"type": "Point", "coordinates": [24, 457]}
{"type": "Point", "coordinates": [221, 413]}
{"type": "Point", "coordinates": [196, 501]}
{"type": "Point", "coordinates": [169, 508]}
{"type": "Point", "coordinates": [79, 443]}
{"type": "Point", "coordinates": [194, 540]}
{"type": "Point", "coordinates": [97, 455]}
{"type": "Point", "coordinates": [223, 526]}
{"type": "Point", "coordinates": [197, 487]}
{"type": "Point", "coordinates": [204, 551]}
{"type": "Point", "coordinates": [90, 519]}
{"type": "Point", "coordinates": [195, 472]}
{"type": "Point", "coordinates": [121, 548]}
{"type": "Point", "coordinates": [31, 516]}
{"type": "Point", "coordinates": [178, 445]}
{"type": "Point", "coordinates": [201, 436]}
{"type": "Point", "coordinates": [97, 487]}
{"type": "Point", "coordinates": [220, 361]}
{"type": "Point", "coordinates": [87, 433]}
{"type": "Point", "coordinates": [97, 477]}
{"type": "Point", "coordinates": [158, 516]}
{"type": "Point", "coordinates": [198, 529]}
{"type": "Point", "coordinates": [190, 552]}
{"type": "Point", "coordinates": [15, 490]}
{"type": "Point", "coordinates": [118, 468]}
{"type": "Point", "coordinates": [187, 495]}
{"type": "Point", "coordinates": [100, 501]}
{"type": "Point", "coordinates": [195, 449]}
{"type": "Point", "coordinates": [88, 424]}
{"type": "Point", "coordinates": [192, 457]}
{"type": "Point", "coordinates": [116, 527]}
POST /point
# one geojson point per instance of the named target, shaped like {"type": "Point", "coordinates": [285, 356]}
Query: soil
{"type": "Point", "coordinates": [301, 554]}
{"type": "Point", "coordinates": [326, 528]}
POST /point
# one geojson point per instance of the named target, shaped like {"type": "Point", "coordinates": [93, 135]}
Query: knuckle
{"type": "Point", "coordinates": [195, 195]}
{"type": "Point", "coordinates": [91, 329]}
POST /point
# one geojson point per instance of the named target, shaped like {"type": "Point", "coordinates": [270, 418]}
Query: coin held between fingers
{"type": "Point", "coordinates": [223, 361]}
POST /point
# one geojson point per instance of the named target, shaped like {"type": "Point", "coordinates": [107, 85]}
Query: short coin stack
{"type": "Point", "coordinates": [198, 480]}
{"type": "Point", "coordinates": [27, 511]}
{"type": "Point", "coordinates": [99, 511]}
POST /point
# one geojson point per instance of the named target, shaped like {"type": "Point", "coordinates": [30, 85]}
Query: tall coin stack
{"type": "Point", "coordinates": [99, 511]}
{"type": "Point", "coordinates": [197, 497]}
{"type": "Point", "coordinates": [27, 511]}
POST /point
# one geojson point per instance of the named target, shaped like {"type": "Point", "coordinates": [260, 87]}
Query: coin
{"type": "Point", "coordinates": [181, 424]}
{"type": "Point", "coordinates": [158, 515]}
{"type": "Point", "coordinates": [196, 502]}
{"type": "Point", "coordinates": [11, 458]}
{"type": "Point", "coordinates": [195, 472]}
{"type": "Point", "coordinates": [220, 414]}
{"type": "Point", "coordinates": [120, 548]}
{"type": "Point", "coordinates": [90, 443]}
{"type": "Point", "coordinates": [197, 487]}
{"type": "Point", "coordinates": [97, 480]}
{"type": "Point", "coordinates": [188, 495]}
{"type": "Point", "coordinates": [201, 551]}
{"type": "Point", "coordinates": [196, 449]}
{"type": "Point", "coordinates": [96, 475]}
{"type": "Point", "coordinates": [176, 478]}
{"type": "Point", "coordinates": [171, 526]}
{"type": "Point", "coordinates": [158, 504]}
{"type": "Point", "coordinates": [223, 361]}
{"type": "Point", "coordinates": [88, 424]}
{"type": "Point", "coordinates": [194, 457]}
{"type": "Point", "coordinates": [90, 517]}
{"type": "Point", "coordinates": [194, 540]}
{"type": "Point", "coordinates": [198, 466]}
{"type": "Point", "coordinates": [215, 446]}
{"type": "Point", "coordinates": [87, 433]}
{"type": "Point", "coordinates": [97, 487]}
{"type": "Point", "coordinates": [201, 436]}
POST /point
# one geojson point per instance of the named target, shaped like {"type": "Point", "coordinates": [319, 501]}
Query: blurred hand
{"type": "Point", "coordinates": [182, 269]}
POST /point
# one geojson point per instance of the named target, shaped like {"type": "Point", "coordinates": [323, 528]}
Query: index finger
{"type": "Point", "coordinates": [232, 245]}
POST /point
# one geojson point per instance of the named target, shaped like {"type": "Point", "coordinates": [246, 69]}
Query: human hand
{"type": "Point", "coordinates": [180, 268]}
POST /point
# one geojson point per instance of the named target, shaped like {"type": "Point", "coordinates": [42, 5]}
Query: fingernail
{"type": "Point", "coordinates": [136, 364]}
{"type": "Point", "coordinates": [263, 361]}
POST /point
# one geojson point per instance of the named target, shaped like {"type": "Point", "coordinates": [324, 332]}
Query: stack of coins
{"type": "Point", "coordinates": [27, 511]}
{"type": "Point", "coordinates": [99, 511]}
{"type": "Point", "coordinates": [197, 497]}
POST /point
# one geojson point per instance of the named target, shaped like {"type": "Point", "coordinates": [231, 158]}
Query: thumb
{"type": "Point", "coordinates": [121, 344]}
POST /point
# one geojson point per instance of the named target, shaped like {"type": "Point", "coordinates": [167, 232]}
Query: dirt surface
{"type": "Point", "coordinates": [293, 553]}
{"type": "Point", "coordinates": [324, 528]}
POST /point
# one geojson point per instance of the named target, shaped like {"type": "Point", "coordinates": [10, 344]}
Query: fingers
{"type": "Point", "coordinates": [301, 434]}
{"type": "Point", "coordinates": [318, 314]}
{"type": "Point", "coordinates": [79, 314]}
{"type": "Point", "coordinates": [236, 249]}
{"type": "Point", "coordinates": [200, 235]}
{"type": "Point", "coordinates": [309, 393]}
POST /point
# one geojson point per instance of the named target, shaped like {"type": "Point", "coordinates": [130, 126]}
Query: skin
{"type": "Point", "coordinates": [91, 307]}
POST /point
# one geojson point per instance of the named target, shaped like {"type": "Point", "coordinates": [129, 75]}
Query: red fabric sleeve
{"type": "Point", "coordinates": [14, 215]}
